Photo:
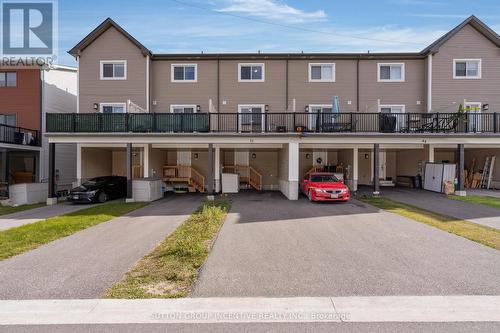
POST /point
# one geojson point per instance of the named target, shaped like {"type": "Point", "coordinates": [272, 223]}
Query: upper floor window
{"type": "Point", "coordinates": [183, 108]}
{"type": "Point", "coordinates": [8, 79]}
{"type": "Point", "coordinates": [113, 108]}
{"type": "Point", "coordinates": [184, 73]}
{"type": "Point", "coordinates": [113, 70]}
{"type": "Point", "coordinates": [322, 72]}
{"type": "Point", "coordinates": [466, 68]}
{"type": "Point", "coordinates": [251, 72]}
{"type": "Point", "coordinates": [393, 72]}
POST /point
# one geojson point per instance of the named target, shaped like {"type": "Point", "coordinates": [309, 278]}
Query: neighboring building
{"type": "Point", "coordinates": [26, 94]}
{"type": "Point", "coordinates": [273, 117]}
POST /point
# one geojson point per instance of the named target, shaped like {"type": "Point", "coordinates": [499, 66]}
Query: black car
{"type": "Point", "coordinates": [99, 189]}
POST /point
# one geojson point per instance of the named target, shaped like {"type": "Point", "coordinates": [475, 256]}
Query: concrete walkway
{"type": "Point", "coordinates": [36, 214]}
{"type": "Point", "coordinates": [438, 203]}
{"type": "Point", "coordinates": [273, 247]}
{"type": "Point", "coordinates": [86, 264]}
{"type": "Point", "coordinates": [400, 309]}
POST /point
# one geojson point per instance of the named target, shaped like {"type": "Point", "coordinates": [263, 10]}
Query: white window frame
{"type": "Point", "coordinates": [101, 69]}
{"type": "Point", "coordinates": [102, 105]}
{"type": "Point", "coordinates": [399, 125]}
{"type": "Point", "coordinates": [479, 71]}
{"type": "Point", "coordinates": [174, 106]}
{"type": "Point", "coordinates": [263, 65]}
{"type": "Point", "coordinates": [334, 69]}
{"type": "Point", "coordinates": [263, 112]}
{"type": "Point", "coordinates": [312, 115]}
{"type": "Point", "coordinates": [172, 79]}
{"type": "Point", "coordinates": [474, 123]}
{"type": "Point", "coordinates": [403, 75]}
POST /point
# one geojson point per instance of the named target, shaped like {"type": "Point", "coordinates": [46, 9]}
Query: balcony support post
{"type": "Point", "coordinates": [495, 122]}
{"type": "Point", "coordinates": [376, 169]}
{"type": "Point", "coordinates": [129, 173]}
{"type": "Point", "coordinates": [52, 197]}
{"type": "Point", "coordinates": [461, 168]}
{"type": "Point", "coordinates": [210, 171]}
{"type": "Point", "coordinates": [217, 170]}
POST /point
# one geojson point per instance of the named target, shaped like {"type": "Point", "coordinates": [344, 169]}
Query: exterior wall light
{"type": "Point", "coordinates": [198, 108]}
{"type": "Point", "coordinates": [306, 109]}
{"type": "Point", "coordinates": [96, 106]}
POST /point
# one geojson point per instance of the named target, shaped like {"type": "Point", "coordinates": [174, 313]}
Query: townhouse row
{"type": "Point", "coordinates": [372, 117]}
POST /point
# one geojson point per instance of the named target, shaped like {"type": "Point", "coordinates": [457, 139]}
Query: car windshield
{"type": "Point", "coordinates": [94, 182]}
{"type": "Point", "coordinates": [323, 178]}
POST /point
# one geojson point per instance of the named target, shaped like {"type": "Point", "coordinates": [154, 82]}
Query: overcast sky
{"type": "Point", "coordinates": [171, 26]}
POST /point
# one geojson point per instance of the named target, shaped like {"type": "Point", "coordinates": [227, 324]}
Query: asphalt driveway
{"type": "Point", "coordinates": [437, 202]}
{"type": "Point", "coordinates": [37, 214]}
{"type": "Point", "coordinates": [270, 246]}
{"type": "Point", "coordinates": [87, 263]}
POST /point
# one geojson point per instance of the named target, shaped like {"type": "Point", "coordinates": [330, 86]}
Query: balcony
{"type": "Point", "coordinates": [262, 123]}
{"type": "Point", "coordinates": [19, 136]}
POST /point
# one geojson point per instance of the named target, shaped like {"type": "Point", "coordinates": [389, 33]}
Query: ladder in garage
{"type": "Point", "coordinates": [486, 176]}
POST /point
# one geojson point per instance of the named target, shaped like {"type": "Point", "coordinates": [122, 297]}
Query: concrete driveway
{"type": "Point", "coordinates": [270, 246]}
{"type": "Point", "coordinates": [87, 263]}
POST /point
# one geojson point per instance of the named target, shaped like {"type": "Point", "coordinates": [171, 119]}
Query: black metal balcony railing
{"type": "Point", "coordinates": [273, 122]}
{"type": "Point", "coordinates": [19, 135]}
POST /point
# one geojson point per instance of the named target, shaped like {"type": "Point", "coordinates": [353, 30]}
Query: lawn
{"type": "Point", "coordinates": [171, 270]}
{"type": "Point", "coordinates": [4, 210]}
{"type": "Point", "coordinates": [30, 236]}
{"type": "Point", "coordinates": [477, 233]}
{"type": "Point", "coordinates": [480, 200]}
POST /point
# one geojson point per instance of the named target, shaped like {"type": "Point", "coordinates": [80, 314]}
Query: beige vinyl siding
{"type": "Point", "coordinates": [270, 92]}
{"type": "Point", "coordinates": [306, 92]}
{"type": "Point", "coordinates": [96, 162]}
{"type": "Point", "coordinates": [111, 45]}
{"type": "Point", "coordinates": [266, 163]}
{"type": "Point", "coordinates": [448, 93]}
{"type": "Point", "coordinates": [166, 93]}
{"type": "Point", "coordinates": [392, 93]}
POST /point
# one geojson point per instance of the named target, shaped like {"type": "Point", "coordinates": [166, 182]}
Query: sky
{"type": "Point", "coordinates": [218, 26]}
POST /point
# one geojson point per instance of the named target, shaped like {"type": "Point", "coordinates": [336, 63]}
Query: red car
{"type": "Point", "coordinates": [322, 186]}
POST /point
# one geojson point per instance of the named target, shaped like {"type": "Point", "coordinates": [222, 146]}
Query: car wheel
{"type": "Point", "coordinates": [102, 197]}
{"type": "Point", "coordinates": [310, 196]}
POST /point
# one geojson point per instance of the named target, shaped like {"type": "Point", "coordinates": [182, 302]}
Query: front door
{"type": "Point", "coordinates": [251, 118]}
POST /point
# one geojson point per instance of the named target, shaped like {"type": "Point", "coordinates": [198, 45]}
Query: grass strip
{"type": "Point", "coordinates": [479, 200]}
{"type": "Point", "coordinates": [4, 210]}
{"type": "Point", "coordinates": [474, 232]}
{"type": "Point", "coordinates": [30, 236]}
{"type": "Point", "coordinates": [171, 269]}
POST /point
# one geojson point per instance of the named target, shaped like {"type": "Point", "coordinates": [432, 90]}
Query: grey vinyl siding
{"type": "Point", "coordinates": [448, 93]}
{"type": "Point", "coordinates": [111, 45]}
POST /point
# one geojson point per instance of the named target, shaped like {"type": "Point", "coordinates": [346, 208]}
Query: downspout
{"type": "Point", "coordinates": [218, 85]}
{"type": "Point", "coordinates": [429, 82]}
{"type": "Point", "coordinates": [77, 84]}
{"type": "Point", "coordinates": [147, 83]}
{"type": "Point", "coordinates": [357, 85]}
{"type": "Point", "coordinates": [286, 86]}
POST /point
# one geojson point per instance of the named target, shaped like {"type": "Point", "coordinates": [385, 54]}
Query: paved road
{"type": "Point", "coordinates": [438, 203]}
{"type": "Point", "coordinates": [85, 264]}
{"type": "Point", "coordinates": [270, 246]}
{"type": "Point", "coordinates": [36, 214]}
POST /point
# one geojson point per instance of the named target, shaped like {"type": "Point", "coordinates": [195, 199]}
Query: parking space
{"type": "Point", "coordinates": [87, 263]}
{"type": "Point", "coordinates": [437, 202]}
{"type": "Point", "coordinates": [270, 246]}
